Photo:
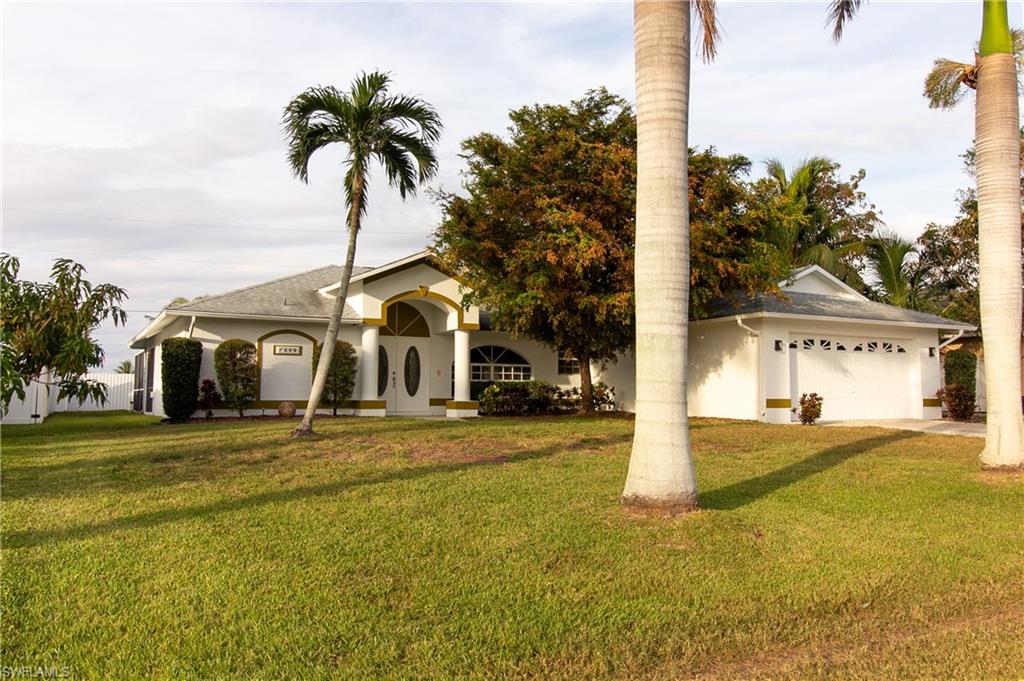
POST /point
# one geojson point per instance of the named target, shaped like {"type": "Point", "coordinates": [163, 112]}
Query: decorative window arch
{"type": "Point", "coordinates": [497, 363]}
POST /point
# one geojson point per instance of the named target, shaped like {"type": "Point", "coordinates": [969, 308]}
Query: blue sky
{"type": "Point", "coordinates": [143, 140]}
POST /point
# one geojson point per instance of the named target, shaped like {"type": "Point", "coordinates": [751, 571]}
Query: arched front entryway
{"type": "Point", "coordinates": [403, 361]}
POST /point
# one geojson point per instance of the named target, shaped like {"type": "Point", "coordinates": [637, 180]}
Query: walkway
{"type": "Point", "coordinates": [940, 427]}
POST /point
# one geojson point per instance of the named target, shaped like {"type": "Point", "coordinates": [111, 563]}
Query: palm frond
{"type": "Point", "coordinates": [776, 170]}
{"type": "Point", "coordinates": [944, 85]}
{"type": "Point", "coordinates": [840, 12]}
{"type": "Point", "coordinates": [706, 12]}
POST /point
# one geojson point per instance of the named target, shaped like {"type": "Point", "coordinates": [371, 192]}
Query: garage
{"type": "Point", "coordinates": [859, 378]}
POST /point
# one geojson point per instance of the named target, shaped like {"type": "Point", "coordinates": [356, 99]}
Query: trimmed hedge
{"type": "Point", "coordinates": [962, 369]}
{"type": "Point", "coordinates": [235, 363]}
{"type": "Point", "coordinates": [341, 375]}
{"type": "Point", "coordinates": [180, 359]}
{"type": "Point", "coordinates": [529, 398]}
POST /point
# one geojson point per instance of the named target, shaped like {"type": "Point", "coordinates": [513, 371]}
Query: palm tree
{"type": "Point", "coordinates": [805, 233]}
{"type": "Point", "coordinates": [398, 131]}
{"type": "Point", "coordinates": [125, 367]}
{"type": "Point", "coordinates": [997, 141]}
{"type": "Point", "coordinates": [661, 472]}
{"type": "Point", "coordinates": [901, 280]}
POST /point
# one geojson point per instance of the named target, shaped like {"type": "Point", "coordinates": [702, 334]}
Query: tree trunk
{"type": "Point", "coordinates": [661, 470]}
{"type": "Point", "coordinates": [999, 250]}
{"type": "Point", "coordinates": [327, 350]}
{"type": "Point", "coordinates": [586, 387]}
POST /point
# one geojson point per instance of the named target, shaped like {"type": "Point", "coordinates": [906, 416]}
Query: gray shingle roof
{"type": "Point", "coordinates": [818, 305]}
{"type": "Point", "coordinates": [293, 296]}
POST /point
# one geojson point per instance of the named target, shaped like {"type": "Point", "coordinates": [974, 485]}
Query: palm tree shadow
{"type": "Point", "coordinates": [744, 492]}
{"type": "Point", "coordinates": [173, 514]}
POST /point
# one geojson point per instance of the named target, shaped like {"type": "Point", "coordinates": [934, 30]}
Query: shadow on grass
{"type": "Point", "coordinates": [170, 515]}
{"type": "Point", "coordinates": [744, 492]}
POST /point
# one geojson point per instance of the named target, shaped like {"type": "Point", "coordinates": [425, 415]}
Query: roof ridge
{"type": "Point", "coordinates": [252, 286]}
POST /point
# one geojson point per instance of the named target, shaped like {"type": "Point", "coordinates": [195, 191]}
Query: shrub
{"type": "Point", "coordinates": [569, 399]}
{"type": "Point", "coordinates": [341, 375]}
{"type": "Point", "coordinates": [959, 401]}
{"type": "Point", "coordinates": [810, 408]}
{"type": "Point", "coordinates": [518, 398]}
{"type": "Point", "coordinates": [235, 363]}
{"type": "Point", "coordinates": [209, 396]}
{"type": "Point", "coordinates": [180, 359]}
{"type": "Point", "coordinates": [961, 368]}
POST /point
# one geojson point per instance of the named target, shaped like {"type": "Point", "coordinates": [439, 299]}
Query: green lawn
{"type": "Point", "coordinates": [497, 548]}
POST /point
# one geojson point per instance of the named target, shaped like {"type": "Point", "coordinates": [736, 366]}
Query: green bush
{"type": "Point", "coordinates": [570, 399]}
{"type": "Point", "coordinates": [341, 375]}
{"type": "Point", "coordinates": [961, 368]}
{"type": "Point", "coordinates": [180, 359]}
{"type": "Point", "coordinates": [959, 401]}
{"type": "Point", "coordinates": [518, 398]}
{"type": "Point", "coordinates": [235, 363]}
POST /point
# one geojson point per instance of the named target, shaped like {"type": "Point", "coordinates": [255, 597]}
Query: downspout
{"type": "Point", "coordinates": [761, 408]}
{"type": "Point", "coordinates": [951, 339]}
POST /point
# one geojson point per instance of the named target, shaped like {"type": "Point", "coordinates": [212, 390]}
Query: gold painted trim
{"type": "Point", "coordinates": [439, 401]}
{"type": "Point", "coordinates": [778, 403]}
{"type": "Point", "coordinates": [421, 292]}
{"type": "Point", "coordinates": [301, 404]}
{"type": "Point", "coordinates": [367, 404]}
{"type": "Point", "coordinates": [932, 402]}
{"type": "Point", "coordinates": [452, 404]}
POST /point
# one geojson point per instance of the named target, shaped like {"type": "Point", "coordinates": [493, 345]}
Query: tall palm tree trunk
{"type": "Point", "coordinates": [334, 324]}
{"type": "Point", "coordinates": [999, 244]}
{"type": "Point", "coordinates": [661, 470]}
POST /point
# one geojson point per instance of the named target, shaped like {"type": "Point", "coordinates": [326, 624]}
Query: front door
{"type": "Point", "coordinates": [407, 389]}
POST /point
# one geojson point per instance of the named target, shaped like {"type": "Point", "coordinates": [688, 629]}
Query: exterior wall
{"type": "Point", "coordinates": [723, 367]}
{"type": "Point", "coordinates": [372, 294]}
{"type": "Point", "coordinates": [543, 360]}
{"type": "Point", "coordinates": [924, 371]}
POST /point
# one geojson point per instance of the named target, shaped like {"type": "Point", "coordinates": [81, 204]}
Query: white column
{"type": "Point", "coordinates": [368, 366]}
{"type": "Point", "coordinates": [461, 366]}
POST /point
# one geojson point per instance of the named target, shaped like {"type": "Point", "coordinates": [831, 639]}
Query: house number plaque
{"type": "Point", "coordinates": [287, 349]}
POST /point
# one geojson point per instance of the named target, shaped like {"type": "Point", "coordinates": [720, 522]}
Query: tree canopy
{"type": "Point", "coordinates": [46, 330]}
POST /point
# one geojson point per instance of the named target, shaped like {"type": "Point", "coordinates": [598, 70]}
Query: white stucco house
{"type": "Point", "coordinates": [420, 351]}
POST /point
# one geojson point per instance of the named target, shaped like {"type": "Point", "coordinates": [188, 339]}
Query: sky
{"type": "Point", "coordinates": [144, 141]}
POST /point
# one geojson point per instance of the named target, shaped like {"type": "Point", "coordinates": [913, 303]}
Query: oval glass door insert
{"type": "Point", "coordinates": [412, 371]}
{"type": "Point", "coordinates": [382, 370]}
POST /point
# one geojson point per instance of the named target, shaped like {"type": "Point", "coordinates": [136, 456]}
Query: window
{"type": "Point", "coordinates": [567, 364]}
{"type": "Point", "coordinates": [495, 363]}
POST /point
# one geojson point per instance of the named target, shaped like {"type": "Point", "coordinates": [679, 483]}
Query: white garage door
{"type": "Point", "coordinates": [858, 378]}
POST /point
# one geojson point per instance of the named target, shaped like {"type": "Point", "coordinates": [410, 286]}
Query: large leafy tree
{"type": "Point", "coordinates": [544, 232]}
{"type": "Point", "coordinates": [46, 330]}
{"type": "Point", "coordinates": [816, 217]}
{"type": "Point", "coordinates": [396, 131]}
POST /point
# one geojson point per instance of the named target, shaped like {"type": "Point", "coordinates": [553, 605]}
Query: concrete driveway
{"type": "Point", "coordinates": [939, 427]}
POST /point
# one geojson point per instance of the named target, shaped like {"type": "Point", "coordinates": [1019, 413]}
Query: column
{"type": "Point", "coordinates": [368, 403]}
{"type": "Point", "coordinates": [460, 405]}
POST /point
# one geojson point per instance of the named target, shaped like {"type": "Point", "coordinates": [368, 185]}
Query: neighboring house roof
{"type": "Point", "coordinates": [818, 305]}
{"type": "Point", "coordinates": [294, 296]}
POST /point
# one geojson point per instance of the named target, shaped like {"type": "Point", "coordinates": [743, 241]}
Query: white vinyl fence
{"type": "Point", "coordinates": [41, 400]}
{"type": "Point", "coordinates": [119, 394]}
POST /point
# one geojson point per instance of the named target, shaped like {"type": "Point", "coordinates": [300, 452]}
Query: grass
{"type": "Point", "coordinates": [497, 549]}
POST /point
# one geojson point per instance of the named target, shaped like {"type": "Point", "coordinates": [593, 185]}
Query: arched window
{"type": "Point", "coordinates": [495, 363]}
